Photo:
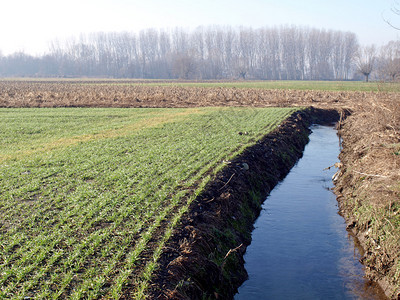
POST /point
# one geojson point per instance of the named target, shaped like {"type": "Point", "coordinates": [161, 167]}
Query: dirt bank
{"type": "Point", "coordinates": [205, 256]}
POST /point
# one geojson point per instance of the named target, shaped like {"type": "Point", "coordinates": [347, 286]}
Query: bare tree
{"type": "Point", "coordinates": [247, 50]}
{"type": "Point", "coordinates": [365, 60]}
{"type": "Point", "coordinates": [389, 60]}
{"type": "Point", "coordinates": [275, 55]}
{"type": "Point", "coordinates": [229, 41]}
{"type": "Point", "coordinates": [350, 51]}
{"type": "Point", "coordinates": [184, 65]}
{"type": "Point", "coordinates": [395, 9]}
{"type": "Point", "coordinates": [241, 68]}
{"type": "Point", "coordinates": [213, 52]}
{"type": "Point", "coordinates": [312, 53]}
{"type": "Point", "coordinates": [288, 52]}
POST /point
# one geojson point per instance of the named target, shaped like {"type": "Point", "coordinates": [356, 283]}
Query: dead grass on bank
{"type": "Point", "coordinates": [369, 186]}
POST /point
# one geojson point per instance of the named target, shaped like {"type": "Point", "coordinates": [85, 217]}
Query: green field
{"type": "Point", "coordinates": [373, 86]}
{"type": "Point", "coordinates": [84, 191]}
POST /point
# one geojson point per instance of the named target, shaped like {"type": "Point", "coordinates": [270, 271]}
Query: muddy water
{"type": "Point", "coordinates": [300, 248]}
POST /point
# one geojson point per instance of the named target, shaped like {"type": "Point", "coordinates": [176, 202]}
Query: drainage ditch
{"type": "Point", "coordinates": [300, 248]}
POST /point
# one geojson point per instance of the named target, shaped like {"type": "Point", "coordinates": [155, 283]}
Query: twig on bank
{"type": "Point", "coordinates": [232, 250]}
{"type": "Point", "coordinates": [210, 200]}
{"type": "Point", "coordinates": [337, 165]}
{"type": "Point", "coordinates": [328, 168]}
{"type": "Point", "coordinates": [227, 182]}
{"type": "Point", "coordinates": [229, 253]}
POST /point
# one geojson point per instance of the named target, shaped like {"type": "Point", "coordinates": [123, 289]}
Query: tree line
{"type": "Point", "coordinates": [213, 52]}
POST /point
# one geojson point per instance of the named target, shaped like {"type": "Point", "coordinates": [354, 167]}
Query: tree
{"type": "Point", "coordinates": [350, 49]}
{"type": "Point", "coordinates": [241, 68]}
{"type": "Point", "coordinates": [184, 66]}
{"type": "Point", "coordinates": [389, 60]}
{"type": "Point", "coordinates": [395, 10]}
{"type": "Point", "coordinates": [365, 60]}
{"type": "Point", "coordinates": [213, 52]}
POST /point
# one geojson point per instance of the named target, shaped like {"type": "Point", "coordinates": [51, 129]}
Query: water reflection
{"type": "Point", "coordinates": [300, 247]}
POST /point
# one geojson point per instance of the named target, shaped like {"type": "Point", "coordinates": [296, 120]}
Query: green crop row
{"type": "Point", "coordinates": [84, 192]}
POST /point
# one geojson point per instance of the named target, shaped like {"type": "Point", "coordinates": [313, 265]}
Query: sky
{"type": "Point", "coordinates": [30, 25]}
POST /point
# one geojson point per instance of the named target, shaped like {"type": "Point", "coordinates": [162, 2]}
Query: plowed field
{"type": "Point", "coordinates": [70, 94]}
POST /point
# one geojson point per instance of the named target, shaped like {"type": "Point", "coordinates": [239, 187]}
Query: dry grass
{"type": "Point", "coordinates": [370, 185]}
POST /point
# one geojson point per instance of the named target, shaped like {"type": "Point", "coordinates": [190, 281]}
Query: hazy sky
{"type": "Point", "coordinates": [30, 25]}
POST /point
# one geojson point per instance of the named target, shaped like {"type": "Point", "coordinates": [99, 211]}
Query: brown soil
{"type": "Point", "coordinates": [367, 186]}
{"type": "Point", "coordinates": [69, 94]}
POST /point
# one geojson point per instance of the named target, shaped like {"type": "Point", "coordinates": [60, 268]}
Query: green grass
{"type": "Point", "coordinates": [84, 191]}
{"type": "Point", "coordinates": [374, 86]}
{"type": "Point", "coordinates": [293, 85]}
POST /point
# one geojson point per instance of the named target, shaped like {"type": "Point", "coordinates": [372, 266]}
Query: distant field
{"type": "Point", "coordinates": [295, 85]}
{"type": "Point", "coordinates": [88, 197]}
{"type": "Point", "coordinates": [267, 84]}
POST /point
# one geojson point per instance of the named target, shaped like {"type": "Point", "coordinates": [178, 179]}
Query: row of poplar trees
{"type": "Point", "coordinates": [213, 52]}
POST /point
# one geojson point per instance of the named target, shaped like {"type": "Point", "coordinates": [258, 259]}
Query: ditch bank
{"type": "Point", "coordinates": [368, 188]}
{"type": "Point", "coordinates": [204, 258]}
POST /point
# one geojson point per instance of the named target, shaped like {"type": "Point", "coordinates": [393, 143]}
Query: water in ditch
{"type": "Point", "coordinates": [300, 248]}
